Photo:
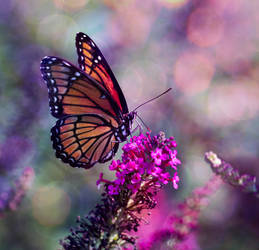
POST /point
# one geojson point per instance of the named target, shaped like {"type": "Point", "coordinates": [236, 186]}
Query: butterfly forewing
{"type": "Point", "coordinates": [93, 63]}
{"type": "Point", "coordinates": [71, 92]}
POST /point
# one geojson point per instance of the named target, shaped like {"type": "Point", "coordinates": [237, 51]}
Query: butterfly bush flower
{"type": "Point", "coordinates": [12, 197]}
{"type": "Point", "coordinates": [147, 163]}
{"type": "Point", "coordinates": [179, 233]}
{"type": "Point", "coordinates": [230, 175]}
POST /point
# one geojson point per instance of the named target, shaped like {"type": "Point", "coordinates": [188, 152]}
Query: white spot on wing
{"type": "Point", "coordinates": [108, 155]}
{"type": "Point", "coordinates": [64, 155]}
{"type": "Point", "coordinates": [103, 96]}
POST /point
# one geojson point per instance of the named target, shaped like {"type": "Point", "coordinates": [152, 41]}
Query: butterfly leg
{"type": "Point", "coordinates": [138, 127]}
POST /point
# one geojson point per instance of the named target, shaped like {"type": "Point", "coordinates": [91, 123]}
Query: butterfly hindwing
{"type": "Point", "coordinates": [93, 63]}
{"type": "Point", "coordinates": [72, 92]}
{"type": "Point", "coordinates": [84, 140]}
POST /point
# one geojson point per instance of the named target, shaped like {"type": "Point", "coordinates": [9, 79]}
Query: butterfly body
{"type": "Point", "coordinates": [93, 116]}
{"type": "Point", "coordinates": [124, 129]}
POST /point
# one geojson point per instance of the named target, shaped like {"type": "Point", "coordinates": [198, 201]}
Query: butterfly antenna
{"type": "Point", "coordinates": [151, 101]}
{"type": "Point", "coordinates": [143, 123]}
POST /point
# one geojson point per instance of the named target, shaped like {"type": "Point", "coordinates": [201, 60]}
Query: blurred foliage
{"type": "Point", "coordinates": [206, 50]}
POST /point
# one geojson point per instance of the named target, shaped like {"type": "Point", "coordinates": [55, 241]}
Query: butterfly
{"type": "Point", "coordinates": [93, 116]}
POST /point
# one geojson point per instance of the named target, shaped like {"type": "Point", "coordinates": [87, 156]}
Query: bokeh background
{"type": "Point", "coordinates": [206, 50]}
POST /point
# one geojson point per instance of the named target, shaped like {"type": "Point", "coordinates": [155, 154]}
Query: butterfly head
{"type": "Point", "coordinates": [129, 119]}
{"type": "Point", "coordinates": [130, 116]}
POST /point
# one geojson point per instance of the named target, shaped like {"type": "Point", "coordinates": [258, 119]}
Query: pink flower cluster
{"type": "Point", "coordinates": [180, 227]}
{"type": "Point", "coordinates": [145, 162]}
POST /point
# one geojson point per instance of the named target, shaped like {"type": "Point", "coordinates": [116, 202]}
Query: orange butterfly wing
{"type": "Point", "coordinates": [93, 63]}
{"type": "Point", "coordinates": [72, 92]}
{"type": "Point", "coordinates": [84, 140]}
{"type": "Point", "coordinates": [84, 134]}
